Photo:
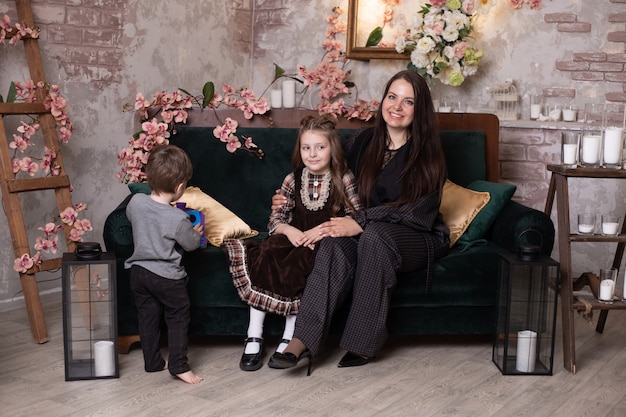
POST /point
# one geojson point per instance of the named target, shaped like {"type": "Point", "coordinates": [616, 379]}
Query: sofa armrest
{"type": "Point", "coordinates": [118, 232]}
{"type": "Point", "coordinates": [514, 220]}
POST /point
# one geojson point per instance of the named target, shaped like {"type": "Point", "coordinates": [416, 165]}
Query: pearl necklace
{"type": "Point", "coordinates": [319, 198]}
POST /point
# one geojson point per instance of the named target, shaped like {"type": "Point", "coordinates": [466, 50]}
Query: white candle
{"type": "Point", "coordinates": [610, 228]}
{"type": "Point", "coordinates": [585, 228]}
{"type": "Point", "coordinates": [289, 94]}
{"type": "Point", "coordinates": [104, 358]}
{"type": "Point", "coordinates": [535, 111]}
{"type": "Point", "coordinates": [569, 115]}
{"type": "Point", "coordinates": [569, 153]}
{"type": "Point", "coordinates": [526, 351]}
{"type": "Point", "coordinates": [591, 149]}
{"type": "Point", "coordinates": [276, 98]}
{"type": "Point", "coordinates": [445, 109]}
{"type": "Point", "coordinates": [607, 288]}
{"type": "Point", "coordinates": [613, 144]}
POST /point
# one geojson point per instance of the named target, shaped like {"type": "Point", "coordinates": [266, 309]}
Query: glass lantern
{"type": "Point", "coordinates": [526, 314]}
{"type": "Point", "coordinates": [89, 313]}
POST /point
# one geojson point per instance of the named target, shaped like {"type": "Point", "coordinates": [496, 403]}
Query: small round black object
{"type": "Point", "coordinates": [88, 250]}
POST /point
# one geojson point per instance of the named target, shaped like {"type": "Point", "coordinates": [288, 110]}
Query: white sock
{"type": "Point", "coordinates": [255, 329]}
{"type": "Point", "coordinates": [290, 324]}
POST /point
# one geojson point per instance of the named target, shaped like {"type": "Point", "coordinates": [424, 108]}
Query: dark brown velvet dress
{"type": "Point", "coordinates": [270, 276]}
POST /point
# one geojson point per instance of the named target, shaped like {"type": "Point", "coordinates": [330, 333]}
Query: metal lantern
{"type": "Point", "coordinates": [526, 313]}
{"type": "Point", "coordinates": [89, 313]}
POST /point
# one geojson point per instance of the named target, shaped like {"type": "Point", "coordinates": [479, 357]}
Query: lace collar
{"type": "Point", "coordinates": [314, 189]}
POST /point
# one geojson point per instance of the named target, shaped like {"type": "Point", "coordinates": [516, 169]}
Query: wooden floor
{"type": "Point", "coordinates": [412, 376]}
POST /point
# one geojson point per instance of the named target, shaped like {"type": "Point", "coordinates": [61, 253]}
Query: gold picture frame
{"type": "Point", "coordinates": [355, 43]}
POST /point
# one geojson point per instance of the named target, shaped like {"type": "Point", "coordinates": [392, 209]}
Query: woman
{"type": "Point", "coordinates": [400, 171]}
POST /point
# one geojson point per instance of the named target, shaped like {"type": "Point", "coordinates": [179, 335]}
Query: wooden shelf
{"type": "Point", "coordinates": [569, 304]}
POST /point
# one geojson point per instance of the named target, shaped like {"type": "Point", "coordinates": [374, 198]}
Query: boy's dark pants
{"type": "Point", "coordinates": [156, 296]}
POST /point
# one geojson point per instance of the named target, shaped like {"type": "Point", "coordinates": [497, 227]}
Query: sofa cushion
{"type": "Point", "coordinates": [500, 196]}
{"type": "Point", "coordinates": [459, 206]}
{"type": "Point", "coordinates": [219, 222]}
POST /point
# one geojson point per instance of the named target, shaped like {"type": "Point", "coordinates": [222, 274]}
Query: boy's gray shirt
{"type": "Point", "coordinates": [161, 233]}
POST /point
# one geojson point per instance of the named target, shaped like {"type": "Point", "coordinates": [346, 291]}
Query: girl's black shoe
{"type": "Point", "coordinates": [289, 360]}
{"type": "Point", "coordinates": [252, 361]}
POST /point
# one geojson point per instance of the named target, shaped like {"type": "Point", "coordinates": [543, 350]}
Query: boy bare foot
{"type": "Point", "coordinates": [190, 378]}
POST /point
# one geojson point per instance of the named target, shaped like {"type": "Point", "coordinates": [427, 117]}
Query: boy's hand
{"type": "Point", "coordinates": [198, 228]}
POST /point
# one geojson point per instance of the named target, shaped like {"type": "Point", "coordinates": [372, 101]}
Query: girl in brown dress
{"type": "Point", "coordinates": [270, 276]}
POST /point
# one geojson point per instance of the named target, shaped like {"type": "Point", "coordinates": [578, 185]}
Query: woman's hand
{"type": "Point", "coordinates": [278, 201]}
{"type": "Point", "coordinates": [340, 227]}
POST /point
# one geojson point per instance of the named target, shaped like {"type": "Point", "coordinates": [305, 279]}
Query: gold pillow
{"type": "Point", "coordinates": [219, 222]}
{"type": "Point", "coordinates": [459, 206]}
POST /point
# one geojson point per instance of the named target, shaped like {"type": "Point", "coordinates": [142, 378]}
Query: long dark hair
{"type": "Point", "coordinates": [425, 166]}
{"type": "Point", "coordinates": [326, 125]}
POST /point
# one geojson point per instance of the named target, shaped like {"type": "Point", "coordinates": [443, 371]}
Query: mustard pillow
{"type": "Point", "coordinates": [219, 222]}
{"type": "Point", "coordinates": [459, 206]}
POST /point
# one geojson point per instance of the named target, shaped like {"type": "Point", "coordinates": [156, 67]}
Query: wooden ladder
{"type": "Point", "coordinates": [12, 187]}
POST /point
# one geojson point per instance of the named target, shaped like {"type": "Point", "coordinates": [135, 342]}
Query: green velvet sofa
{"type": "Point", "coordinates": [463, 294]}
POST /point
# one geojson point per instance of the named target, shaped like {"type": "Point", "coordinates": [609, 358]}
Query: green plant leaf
{"type": "Point", "coordinates": [185, 91]}
{"type": "Point", "coordinates": [12, 93]}
{"type": "Point", "coordinates": [208, 91]}
{"type": "Point", "coordinates": [375, 37]}
{"type": "Point", "coordinates": [278, 71]}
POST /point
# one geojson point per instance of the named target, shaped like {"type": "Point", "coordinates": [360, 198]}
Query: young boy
{"type": "Point", "coordinates": [158, 280]}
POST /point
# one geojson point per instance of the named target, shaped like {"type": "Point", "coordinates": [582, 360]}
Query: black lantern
{"type": "Point", "coordinates": [526, 313]}
{"type": "Point", "coordinates": [89, 313]}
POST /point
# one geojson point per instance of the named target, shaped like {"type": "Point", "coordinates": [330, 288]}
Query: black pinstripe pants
{"type": "Point", "coordinates": [367, 266]}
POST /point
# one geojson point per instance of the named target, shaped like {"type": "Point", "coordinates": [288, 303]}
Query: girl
{"type": "Point", "coordinates": [271, 276]}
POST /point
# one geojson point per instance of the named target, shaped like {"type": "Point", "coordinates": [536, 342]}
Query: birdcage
{"type": "Point", "coordinates": [506, 100]}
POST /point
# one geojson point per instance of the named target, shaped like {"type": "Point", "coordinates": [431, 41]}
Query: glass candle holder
{"type": "Point", "coordinates": [569, 149]}
{"type": "Point", "coordinates": [569, 113]}
{"type": "Point", "coordinates": [606, 293]}
{"type": "Point", "coordinates": [610, 225]}
{"type": "Point", "coordinates": [613, 144]}
{"type": "Point", "coordinates": [586, 223]}
{"type": "Point", "coordinates": [591, 140]}
{"type": "Point", "coordinates": [536, 105]}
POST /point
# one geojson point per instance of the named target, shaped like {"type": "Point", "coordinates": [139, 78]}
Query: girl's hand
{"type": "Point", "coordinates": [339, 227]}
{"type": "Point", "coordinates": [310, 237]}
{"type": "Point", "coordinates": [294, 235]}
{"type": "Point", "coordinates": [278, 201]}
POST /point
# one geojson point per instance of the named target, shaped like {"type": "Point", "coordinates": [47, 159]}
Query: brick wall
{"type": "Point", "coordinates": [593, 66]}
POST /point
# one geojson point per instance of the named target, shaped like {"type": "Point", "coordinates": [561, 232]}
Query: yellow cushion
{"type": "Point", "coordinates": [459, 206]}
{"type": "Point", "coordinates": [219, 222]}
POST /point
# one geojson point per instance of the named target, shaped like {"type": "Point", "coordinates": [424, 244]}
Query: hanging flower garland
{"type": "Point", "coordinates": [160, 115]}
{"type": "Point", "coordinates": [24, 163]}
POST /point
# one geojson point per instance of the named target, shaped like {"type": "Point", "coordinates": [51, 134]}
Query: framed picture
{"type": "Point", "coordinates": [366, 15]}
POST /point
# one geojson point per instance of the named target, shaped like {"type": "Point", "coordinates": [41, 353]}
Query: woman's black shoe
{"type": "Point", "coordinates": [289, 360]}
{"type": "Point", "coordinates": [271, 362]}
{"type": "Point", "coordinates": [352, 359]}
{"type": "Point", "coordinates": [252, 361]}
